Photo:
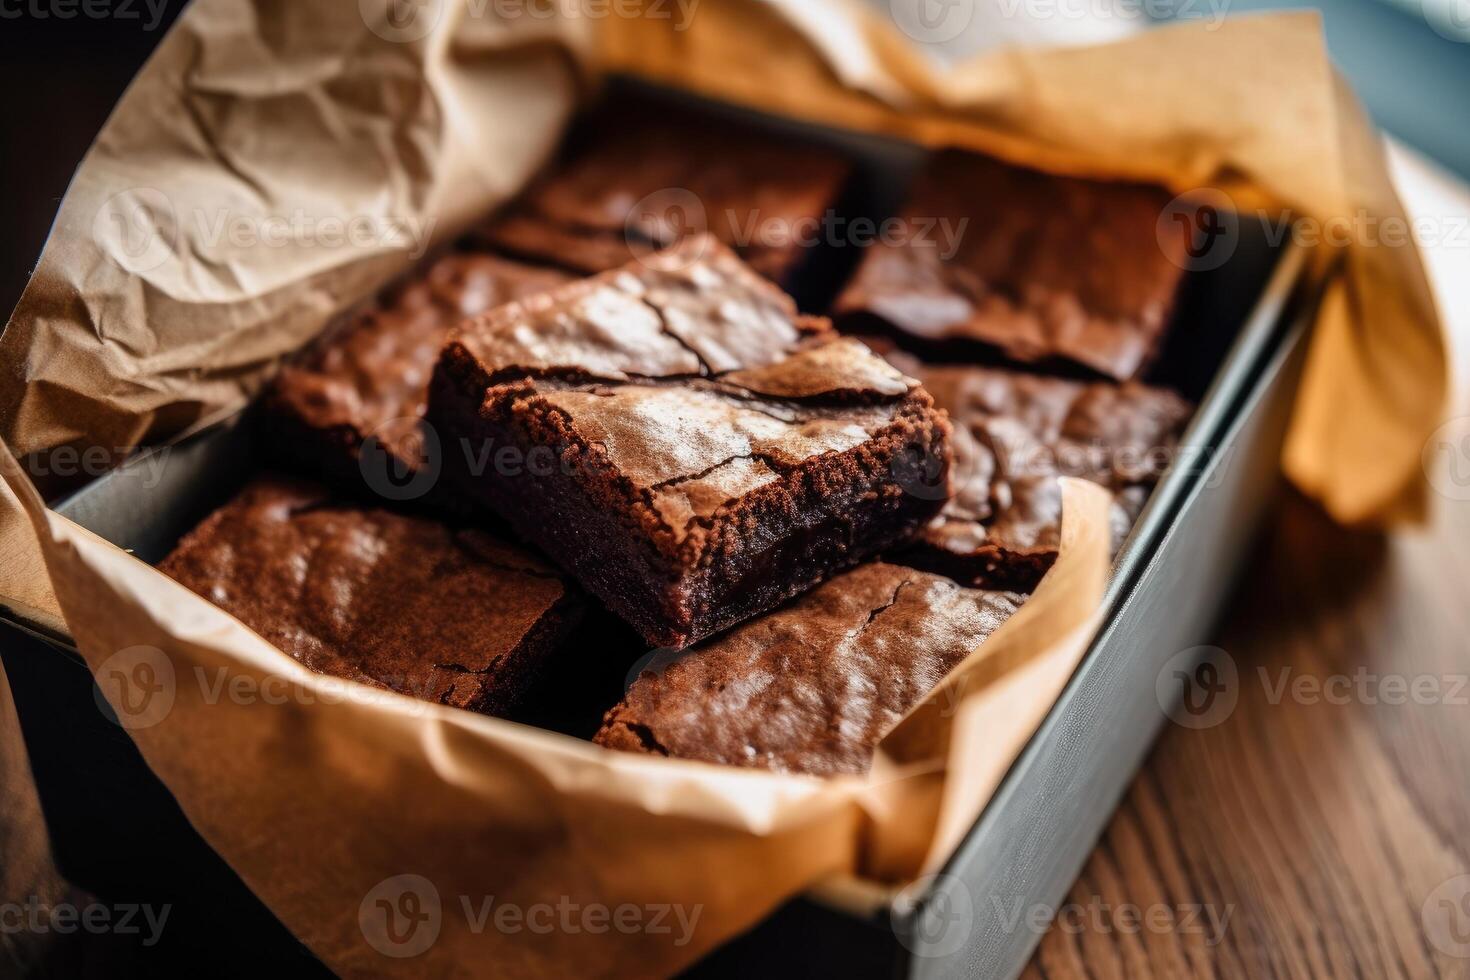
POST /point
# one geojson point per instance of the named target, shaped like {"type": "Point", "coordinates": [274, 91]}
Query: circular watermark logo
{"type": "Point", "coordinates": [1450, 19]}
{"type": "Point", "coordinates": [402, 21]}
{"type": "Point", "coordinates": [932, 21]}
{"type": "Point", "coordinates": [1446, 459]}
{"type": "Point", "coordinates": [654, 662]}
{"type": "Point", "coordinates": [935, 915]}
{"type": "Point", "coordinates": [136, 687]}
{"type": "Point", "coordinates": [401, 459]}
{"type": "Point", "coordinates": [401, 916]}
{"type": "Point", "coordinates": [923, 473]}
{"type": "Point", "coordinates": [139, 227]}
{"type": "Point", "coordinates": [1446, 917]}
{"type": "Point", "coordinates": [1198, 687]}
{"type": "Point", "coordinates": [1199, 230]}
{"type": "Point", "coordinates": [666, 216]}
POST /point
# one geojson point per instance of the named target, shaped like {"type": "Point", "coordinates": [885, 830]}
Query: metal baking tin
{"type": "Point", "coordinates": [117, 832]}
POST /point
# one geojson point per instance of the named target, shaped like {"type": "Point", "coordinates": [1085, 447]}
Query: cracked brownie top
{"type": "Point", "coordinates": [1014, 435]}
{"type": "Point", "coordinates": [376, 369]}
{"type": "Point", "coordinates": [1043, 269]}
{"type": "Point", "coordinates": [645, 174]}
{"type": "Point", "coordinates": [695, 379]}
{"type": "Point", "coordinates": [410, 604]}
{"type": "Point", "coordinates": [813, 686]}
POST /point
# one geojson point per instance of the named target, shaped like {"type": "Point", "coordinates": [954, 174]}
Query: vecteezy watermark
{"type": "Point", "coordinates": [1106, 918]}
{"type": "Point", "coordinates": [92, 461]}
{"type": "Point", "coordinates": [923, 472]}
{"type": "Point", "coordinates": [1201, 686]}
{"type": "Point", "coordinates": [149, 13]}
{"type": "Point", "coordinates": [406, 21]}
{"type": "Point", "coordinates": [1364, 686]}
{"type": "Point", "coordinates": [932, 21]}
{"type": "Point", "coordinates": [1446, 459]}
{"type": "Point", "coordinates": [1446, 917]}
{"type": "Point", "coordinates": [1200, 229]}
{"type": "Point", "coordinates": [671, 213]}
{"type": "Point", "coordinates": [1450, 19]}
{"type": "Point", "coordinates": [37, 917]}
{"type": "Point", "coordinates": [1143, 12]}
{"type": "Point", "coordinates": [934, 916]}
{"type": "Point", "coordinates": [403, 916]}
{"type": "Point", "coordinates": [143, 229]}
{"type": "Point", "coordinates": [138, 687]}
{"type": "Point", "coordinates": [1198, 687]}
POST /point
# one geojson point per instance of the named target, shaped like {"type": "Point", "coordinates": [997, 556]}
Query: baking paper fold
{"type": "Point", "coordinates": [329, 797]}
{"type": "Point", "coordinates": [149, 310]}
{"type": "Point", "coordinates": [200, 240]}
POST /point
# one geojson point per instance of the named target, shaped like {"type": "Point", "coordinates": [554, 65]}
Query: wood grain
{"type": "Point", "coordinates": [1318, 825]}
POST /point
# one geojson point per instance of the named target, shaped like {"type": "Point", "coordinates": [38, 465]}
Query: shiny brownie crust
{"type": "Point", "coordinates": [453, 616]}
{"type": "Point", "coordinates": [812, 687]}
{"type": "Point", "coordinates": [705, 452]}
{"type": "Point", "coordinates": [1015, 434]}
{"type": "Point", "coordinates": [369, 378]}
{"type": "Point", "coordinates": [1065, 274]}
{"type": "Point", "coordinates": [645, 174]}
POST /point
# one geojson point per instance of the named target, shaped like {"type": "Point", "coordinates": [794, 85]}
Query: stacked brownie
{"type": "Point", "coordinates": [349, 414]}
{"type": "Point", "coordinates": [707, 452]}
{"type": "Point", "coordinates": [629, 410]}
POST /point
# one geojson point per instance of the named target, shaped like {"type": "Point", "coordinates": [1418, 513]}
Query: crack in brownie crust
{"type": "Point", "coordinates": [812, 687]}
{"type": "Point", "coordinates": [1047, 270]}
{"type": "Point", "coordinates": [708, 452]}
{"type": "Point", "coordinates": [405, 603]}
{"type": "Point", "coordinates": [1015, 434]}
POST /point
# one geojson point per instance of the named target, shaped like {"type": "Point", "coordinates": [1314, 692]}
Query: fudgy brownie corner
{"type": "Point", "coordinates": [448, 615]}
{"type": "Point", "coordinates": [1004, 262]}
{"type": "Point", "coordinates": [815, 685]}
{"type": "Point", "coordinates": [682, 441]}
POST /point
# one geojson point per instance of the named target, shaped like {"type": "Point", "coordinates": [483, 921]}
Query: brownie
{"type": "Point", "coordinates": [370, 378]}
{"type": "Point", "coordinates": [448, 615]}
{"type": "Point", "coordinates": [1014, 435]}
{"type": "Point", "coordinates": [1056, 272]}
{"type": "Point", "coordinates": [644, 174]}
{"type": "Point", "coordinates": [812, 687]}
{"type": "Point", "coordinates": [683, 441]}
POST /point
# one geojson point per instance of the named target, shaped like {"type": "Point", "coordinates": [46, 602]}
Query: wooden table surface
{"type": "Point", "coordinates": [1322, 827]}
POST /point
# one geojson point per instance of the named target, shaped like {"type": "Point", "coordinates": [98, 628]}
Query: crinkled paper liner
{"type": "Point", "coordinates": [146, 313]}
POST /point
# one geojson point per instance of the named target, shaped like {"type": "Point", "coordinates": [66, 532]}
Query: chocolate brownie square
{"type": "Point", "coordinates": [684, 442]}
{"type": "Point", "coordinates": [1003, 261]}
{"type": "Point", "coordinates": [644, 174]}
{"type": "Point", "coordinates": [448, 615]}
{"type": "Point", "coordinates": [369, 379]}
{"type": "Point", "coordinates": [812, 687]}
{"type": "Point", "coordinates": [1014, 435]}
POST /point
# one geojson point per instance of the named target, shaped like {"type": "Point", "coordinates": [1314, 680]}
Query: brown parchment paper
{"type": "Point", "coordinates": [329, 798]}
{"type": "Point", "coordinates": [147, 313]}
